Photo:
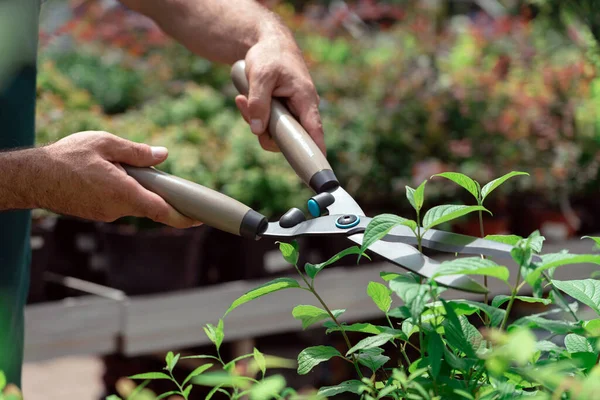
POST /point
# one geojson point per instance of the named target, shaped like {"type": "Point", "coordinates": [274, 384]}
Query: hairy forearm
{"type": "Point", "coordinates": [219, 30]}
{"type": "Point", "coordinates": [19, 172]}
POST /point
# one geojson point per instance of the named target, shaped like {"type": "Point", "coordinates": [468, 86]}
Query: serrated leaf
{"type": "Point", "coordinates": [462, 180]}
{"type": "Point", "coordinates": [496, 315]}
{"type": "Point", "coordinates": [440, 214]}
{"type": "Point", "coordinates": [260, 360]}
{"type": "Point", "coordinates": [313, 269]}
{"type": "Point", "coordinates": [151, 375]}
{"type": "Point", "coordinates": [268, 388]}
{"type": "Point", "coordinates": [380, 226]}
{"type": "Point", "coordinates": [352, 386]}
{"type": "Point", "coordinates": [289, 251]}
{"type": "Point", "coordinates": [435, 351]}
{"type": "Point", "coordinates": [577, 344]}
{"type": "Point", "coordinates": [414, 294]}
{"type": "Point", "coordinates": [380, 295]}
{"type": "Point", "coordinates": [472, 266]}
{"type": "Point", "coordinates": [502, 298]}
{"type": "Point", "coordinates": [370, 342]}
{"type": "Point", "coordinates": [310, 315]}
{"type": "Point", "coordinates": [372, 358]}
{"type": "Point", "coordinates": [554, 260]}
{"type": "Point", "coordinates": [488, 188]}
{"type": "Point", "coordinates": [269, 287]}
{"type": "Point", "coordinates": [511, 240]}
{"type": "Point", "coordinates": [313, 356]}
{"type": "Point", "coordinates": [547, 346]}
{"type": "Point", "coordinates": [586, 291]}
{"type": "Point", "coordinates": [199, 370]}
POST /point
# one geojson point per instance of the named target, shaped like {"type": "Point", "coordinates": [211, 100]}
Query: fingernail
{"type": "Point", "coordinates": [196, 224]}
{"type": "Point", "coordinates": [256, 126]}
{"type": "Point", "coordinates": [159, 152]}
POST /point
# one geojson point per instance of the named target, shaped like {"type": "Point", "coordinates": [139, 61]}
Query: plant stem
{"type": "Point", "coordinates": [512, 299]}
{"type": "Point", "coordinates": [178, 385]}
{"type": "Point", "coordinates": [419, 232]}
{"type": "Point", "coordinates": [486, 319]}
{"type": "Point", "coordinates": [403, 351]}
{"type": "Point", "coordinates": [314, 292]}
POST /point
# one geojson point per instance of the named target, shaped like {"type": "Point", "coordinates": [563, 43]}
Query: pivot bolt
{"type": "Point", "coordinates": [347, 221]}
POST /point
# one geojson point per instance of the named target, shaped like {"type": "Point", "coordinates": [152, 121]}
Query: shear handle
{"type": "Point", "coordinates": [295, 143]}
{"type": "Point", "coordinates": [201, 203]}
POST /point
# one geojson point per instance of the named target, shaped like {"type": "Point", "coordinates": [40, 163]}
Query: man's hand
{"type": "Point", "coordinates": [275, 68]}
{"type": "Point", "coordinates": [227, 31]}
{"type": "Point", "coordinates": [81, 176]}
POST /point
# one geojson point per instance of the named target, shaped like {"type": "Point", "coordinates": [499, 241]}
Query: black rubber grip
{"type": "Point", "coordinates": [253, 225]}
{"type": "Point", "coordinates": [323, 180]}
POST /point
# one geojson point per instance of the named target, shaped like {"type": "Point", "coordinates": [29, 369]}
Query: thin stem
{"type": "Point", "coordinates": [178, 385]}
{"type": "Point", "coordinates": [485, 280]}
{"type": "Point", "coordinates": [419, 232]}
{"type": "Point", "coordinates": [403, 351]}
{"type": "Point", "coordinates": [512, 299]}
{"type": "Point", "coordinates": [314, 292]}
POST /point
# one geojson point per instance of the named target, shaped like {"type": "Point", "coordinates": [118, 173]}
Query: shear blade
{"type": "Point", "coordinates": [411, 259]}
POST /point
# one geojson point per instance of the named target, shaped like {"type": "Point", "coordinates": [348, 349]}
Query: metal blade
{"type": "Point", "coordinates": [411, 259]}
{"type": "Point", "coordinates": [344, 203]}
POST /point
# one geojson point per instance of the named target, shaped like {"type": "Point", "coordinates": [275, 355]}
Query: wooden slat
{"type": "Point", "coordinates": [82, 325]}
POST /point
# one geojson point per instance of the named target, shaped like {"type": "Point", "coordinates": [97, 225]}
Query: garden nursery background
{"type": "Point", "coordinates": [408, 89]}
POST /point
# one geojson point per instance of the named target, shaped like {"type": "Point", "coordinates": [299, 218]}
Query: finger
{"type": "Point", "coordinates": [135, 154]}
{"type": "Point", "coordinates": [267, 143]}
{"type": "Point", "coordinates": [307, 109]}
{"type": "Point", "coordinates": [241, 102]}
{"type": "Point", "coordinates": [261, 82]}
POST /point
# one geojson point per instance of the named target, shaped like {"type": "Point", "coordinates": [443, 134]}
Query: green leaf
{"type": "Point", "coordinates": [151, 375]}
{"type": "Point", "coordinates": [380, 226]}
{"type": "Point", "coordinates": [370, 342]}
{"type": "Point", "coordinates": [596, 239]}
{"type": "Point", "coordinates": [215, 333]}
{"type": "Point", "coordinates": [555, 260]}
{"type": "Point", "coordinates": [416, 197]}
{"type": "Point", "coordinates": [547, 346]}
{"type": "Point", "coordinates": [313, 356]}
{"type": "Point", "coordinates": [269, 287]}
{"type": "Point", "coordinates": [186, 391]}
{"type": "Point", "coordinates": [289, 251]}
{"type": "Point", "coordinates": [555, 326]}
{"type": "Point", "coordinates": [410, 195]}
{"type": "Point", "coordinates": [414, 294]}
{"type": "Point", "coordinates": [310, 315]}
{"type": "Point", "coordinates": [472, 266]}
{"type": "Point", "coordinates": [165, 395]}
{"type": "Point", "coordinates": [352, 386]}
{"type": "Point", "coordinates": [502, 298]}
{"type": "Point", "coordinates": [313, 269]}
{"type": "Point", "coordinates": [360, 327]}
{"type": "Point", "coordinates": [201, 369]}
{"type": "Point", "coordinates": [169, 360]}
{"type": "Point", "coordinates": [380, 295]}
{"type": "Point", "coordinates": [455, 331]}
{"type": "Point", "coordinates": [112, 397]}
{"type": "Point", "coordinates": [260, 360]}
{"type": "Point", "coordinates": [221, 379]}
{"type": "Point", "coordinates": [462, 180]}
{"type": "Point", "coordinates": [2, 381]}
{"type": "Point", "coordinates": [388, 276]}
{"type": "Point", "coordinates": [511, 240]}
{"type": "Point", "coordinates": [487, 189]}
{"type": "Point", "coordinates": [435, 350]}
{"type": "Point", "coordinates": [440, 214]}
{"type": "Point", "coordinates": [373, 358]}
{"type": "Point", "coordinates": [496, 315]}
{"type": "Point", "coordinates": [592, 327]}
{"type": "Point", "coordinates": [268, 388]}
{"type": "Point", "coordinates": [586, 291]}
{"type": "Point", "coordinates": [214, 391]}
{"type": "Point", "coordinates": [577, 344]}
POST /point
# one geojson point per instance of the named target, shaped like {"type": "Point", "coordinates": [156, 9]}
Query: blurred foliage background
{"type": "Point", "coordinates": [408, 89]}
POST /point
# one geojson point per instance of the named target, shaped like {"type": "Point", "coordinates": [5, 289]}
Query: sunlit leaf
{"type": "Point", "coordinates": [586, 291]}
{"type": "Point", "coordinates": [151, 375]}
{"type": "Point", "coordinates": [199, 370]}
{"type": "Point", "coordinates": [577, 344]}
{"type": "Point", "coordinates": [310, 315]}
{"type": "Point", "coordinates": [555, 326]}
{"type": "Point", "coordinates": [289, 251]}
{"type": "Point", "coordinates": [268, 388]}
{"type": "Point", "coordinates": [313, 269]}
{"type": "Point", "coordinates": [352, 386]}
{"type": "Point", "coordinates": [502, 298]}
{"type": "Point", "coordinates": [555, 260]}
{"type": "Point", "coordinates": [380, 226]}
{"type": "Point", "coordinates": [462, 180]}
{"type": "Point", "coordinates": [269, 287]}
{"type": "Point", "coordinates": [370, 342]}
{"type": "Point", "coordinates": [416, 197]}
{"type": "Point", "coordinates": [496, 315]}
{"type": "Point", "coordinates": [260, 360]}
{"type": "Point", "coordinates": [511, 240]}
{"type": "Point", "coordinates": [380, 295]}
{"type": "Point", "coordinates": [488, 188]}
{"type": "Point", "coordinates": [372, 358]}
{"type": "Point", "coordinates": [440, 214]}
{"type": "Point", "coordinates": [472, 266]}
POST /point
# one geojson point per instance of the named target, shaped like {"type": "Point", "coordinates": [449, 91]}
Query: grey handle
{"type": "Point", "coordinates": [201, 203]}
{"type": "Point", "coordinates": [294, 142]}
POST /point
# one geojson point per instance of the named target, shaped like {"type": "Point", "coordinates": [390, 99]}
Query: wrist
{"type": "Point", "coordinates": [20, 179]}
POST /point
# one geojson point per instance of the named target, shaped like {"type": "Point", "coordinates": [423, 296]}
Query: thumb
{"type": "Point", "coordinates": [137, 154]}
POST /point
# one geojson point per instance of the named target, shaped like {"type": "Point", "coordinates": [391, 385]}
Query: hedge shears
{"type": "Point", "coordinates": [333, 210]}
